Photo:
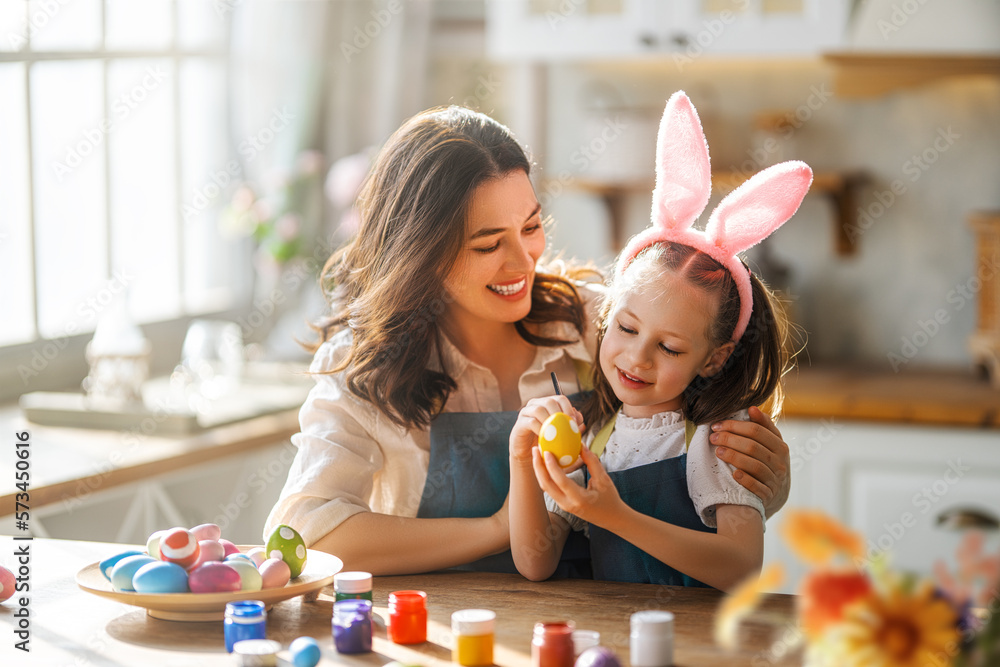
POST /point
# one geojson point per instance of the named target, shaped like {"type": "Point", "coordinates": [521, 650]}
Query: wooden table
{"type": "Point", "coordinates": [72, 627]}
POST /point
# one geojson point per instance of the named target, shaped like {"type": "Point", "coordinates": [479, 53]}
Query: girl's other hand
{"type": "Point", "coordinates": [524, 435]}
{"type": "Point", "coordinates": [597, 503]}
{"type": "Point", "coordinates": [760, 456]}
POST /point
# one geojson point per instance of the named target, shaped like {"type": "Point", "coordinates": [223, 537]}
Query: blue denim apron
{"type": "Point", "coordinates": [468, 475]}
{"type": "Point", "coordinates": [659, 490]}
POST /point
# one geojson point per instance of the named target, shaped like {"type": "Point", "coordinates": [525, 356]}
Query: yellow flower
{"type": "Point", "coordinates": [817, 538]}
{"type": "Point", "coordinates": [897, 628]}
{"type": "Point", "coordinates": [741, 601]}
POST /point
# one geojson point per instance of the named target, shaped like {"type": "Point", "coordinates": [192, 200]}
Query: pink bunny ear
{"type": "Point", "coordinates": [683, 172]}
{"type": "Point", "coordinates": [747, 216]}
{"type": "Point", "coordinates": [751, 212]}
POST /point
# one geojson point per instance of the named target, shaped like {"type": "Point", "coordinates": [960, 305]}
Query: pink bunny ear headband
{"type": "Point", "coordinates": [747, 216]}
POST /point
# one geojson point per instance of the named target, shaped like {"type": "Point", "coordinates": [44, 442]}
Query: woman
{"type": "Point", "coordinates": [443, 327]}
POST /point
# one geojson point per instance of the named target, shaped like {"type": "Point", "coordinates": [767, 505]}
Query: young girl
{"type": "Point", "coordinates": [687, 336]}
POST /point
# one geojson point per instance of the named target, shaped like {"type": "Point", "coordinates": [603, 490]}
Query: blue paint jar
{"type": "Point", "coordinates": [245, 619]}
{"type": "Point", "coordinates": [352, 626]}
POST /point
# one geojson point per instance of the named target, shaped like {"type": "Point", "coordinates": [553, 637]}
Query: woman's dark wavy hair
{"type": "Point", "coordinates": [386, 284]}
{"type": "Point", "coordinates": [751, 374]}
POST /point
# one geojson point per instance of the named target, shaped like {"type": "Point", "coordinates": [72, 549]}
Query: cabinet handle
{"type": "Point", "coordinates": [648, 40]}
{"type": "Point", "coordinates": [964, 518]}
{"type": "Point", "coordinates": [681, 40]}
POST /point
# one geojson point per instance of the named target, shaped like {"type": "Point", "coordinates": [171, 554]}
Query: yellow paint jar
{"type": "Point", "coordinates": [473, 631]}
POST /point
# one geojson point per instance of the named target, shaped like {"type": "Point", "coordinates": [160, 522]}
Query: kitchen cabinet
{"type": "Point", "coordinates": [903, 487]}
{"type": "Point", "coordinates": [681, 29]}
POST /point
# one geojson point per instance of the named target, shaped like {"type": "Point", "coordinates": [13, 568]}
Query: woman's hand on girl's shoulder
{"type": "Point", "coordinates": [759, 454]}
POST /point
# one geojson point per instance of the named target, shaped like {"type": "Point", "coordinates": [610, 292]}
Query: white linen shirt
{"type": "Point", "coordinates": [638, 441]}
{"type": "Point", "coordinates": [352, 459]}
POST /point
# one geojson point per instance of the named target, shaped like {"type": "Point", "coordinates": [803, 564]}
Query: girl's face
{"type": "Point", "coordinates": [492, 279]}
{"type": "Point", "coordinates": [657, 342]}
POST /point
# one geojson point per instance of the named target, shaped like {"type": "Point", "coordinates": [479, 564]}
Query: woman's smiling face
{"type": "Point", "coordinates": [492, 279]}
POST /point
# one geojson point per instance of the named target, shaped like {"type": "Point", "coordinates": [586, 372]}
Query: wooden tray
{"type": "Point", "coordinates": [319, 571]}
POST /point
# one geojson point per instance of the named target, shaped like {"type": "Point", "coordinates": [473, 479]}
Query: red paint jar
{"type": "Point", "coordinates": [552, 644]}
{"type": "Point", "coordinates": [408, 617]}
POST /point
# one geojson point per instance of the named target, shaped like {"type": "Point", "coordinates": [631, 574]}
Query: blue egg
{"type": "Point", "coordinates": [241, 557]}
{"type": "Point", "coordinates": [305, 652]}
{"type": "Point", "coordinates": [109, 562]}
{"type": "Point", "coordinates": [160, 577]}
{"type": "Point", "coordinates": [125, 569]}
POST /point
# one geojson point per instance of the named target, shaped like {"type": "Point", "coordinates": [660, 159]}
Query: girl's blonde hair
{"type": "Point", "coordinates": [751, 374]}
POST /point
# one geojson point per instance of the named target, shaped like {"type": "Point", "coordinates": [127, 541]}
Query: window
{"type": "Point", "coordinates": [113, 133]}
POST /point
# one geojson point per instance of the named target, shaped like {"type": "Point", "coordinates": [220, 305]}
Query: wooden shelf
{"type": "Point", "coordinates": [929, 397]}
{"type": "Point", "coordinates": [870, 74]}
{"type": "Point", "coordinates": [840, 187]}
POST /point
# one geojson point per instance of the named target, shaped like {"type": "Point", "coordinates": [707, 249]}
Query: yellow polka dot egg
{"type": "Point", "coordinates": [561, 436]}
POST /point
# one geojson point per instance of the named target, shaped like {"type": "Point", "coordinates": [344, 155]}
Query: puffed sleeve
{"type": "Point", "coordinates": [710, 481]}
{"type": "Point", "coordinates": [332, 475]}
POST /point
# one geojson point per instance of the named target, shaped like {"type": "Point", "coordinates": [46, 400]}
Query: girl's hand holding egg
{"type": "Point", "coordinates": [561, 436]}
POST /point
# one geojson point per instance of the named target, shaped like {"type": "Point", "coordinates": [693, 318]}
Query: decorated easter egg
{"type": "Point", "coordinates": [125, 569]}
{"type": "Point", "coordinates": [257, 555]}
{"type": "Point", "coordinates": [285, 543]}
{"type": "Point", "coordinates": [598, 656]}
{"type": "Point", "coordinates": [240, 557]}
{"type": "Point", "coordinates": [561, 436]}
{"type": "Point", "coordinates": [153, 544]}
{"type": "Point", "coordinates": [305, 652]}
{"type": "Point", "coordinates": [229, 547]}
{"type": "Point", "coordinates": [214, 577]}
{"type": "Point", "coordinates": [179, 546]}
{"type": "Point", "coordinates": [209, 551]}
{"type": "Point", "coordinates": [6, 583]}
{"type": "Point", "coordinates": [160, 577]}
{"type": "Point", "coordinates": [109, 562]}
{"type": "Point", "coordinates": [274, 573]}
{"type": "Point", "coordinates": [207, 531]}
{"type": "Point", "coordinates": [250, 578]}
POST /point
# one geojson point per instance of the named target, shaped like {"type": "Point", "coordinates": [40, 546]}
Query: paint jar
{"type": "Point", "coordinates": [552, 644]}
{"type": "Point", "coordinates": [245, 619]}
{"type": "Point", "coordinates": [408, 617]}
{"type": "Point", "coordinates": [473, 630]}
{"type": "Point", "coordinates": [352, 626]}
{"type": "Point", "coordinates": [256, 653]}
{"type": "Point", "coordinates": [353, 586]}
{"type": "Point", "coordinates": [651, 642]}
{"type": "Point", "coordinates": [584, 639]}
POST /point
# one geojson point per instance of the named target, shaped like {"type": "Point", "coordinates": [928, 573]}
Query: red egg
{"type": "Point", "coordinates": [6, 583]}
{"type": "Point", "coordinates": [214, 577]}
{"type": "Point", "coordinates": [229, 547]}
{"type": "Point", "coordinates": [179, 546]}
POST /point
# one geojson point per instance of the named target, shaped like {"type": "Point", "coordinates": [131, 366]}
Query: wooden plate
{"type": "Point", "coordinates": [318, 573]}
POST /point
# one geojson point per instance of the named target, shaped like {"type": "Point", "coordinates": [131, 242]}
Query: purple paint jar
{"type": "Point", "coordinates": [352, 626]}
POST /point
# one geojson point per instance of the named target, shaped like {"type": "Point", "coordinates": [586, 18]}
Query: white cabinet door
{"type": "Point", "coordinates": [891, 483]}
{"type": "Point", "coordinates": [759, 27]}
{"type": "Point", "coordinates": [682, 29]}
{"type": "Point", "coordinates": [569, 29]}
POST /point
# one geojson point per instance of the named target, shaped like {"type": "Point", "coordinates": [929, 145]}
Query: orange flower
{"type": "Point", "coordinates": [741, 601]}
{"type": "Point", "coordinates": [898, 628]}
{"type": "Point", "coordinates": [825, 595]}
{"type": "Point", "coordinates": [817, 538]}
